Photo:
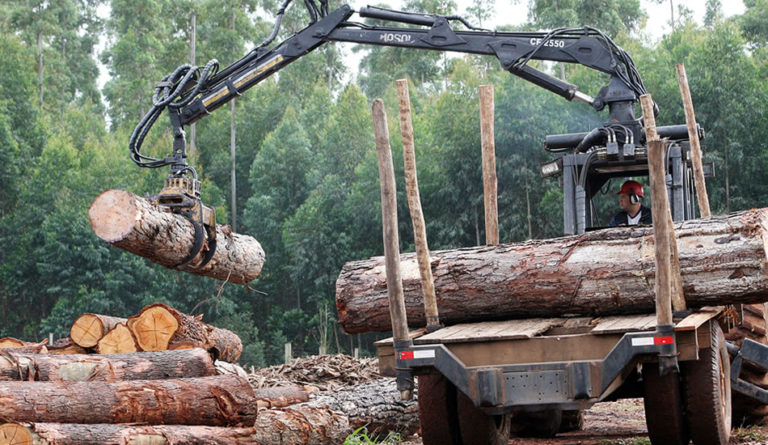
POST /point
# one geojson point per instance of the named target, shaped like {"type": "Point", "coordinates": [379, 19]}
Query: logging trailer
{"type": "Point", "coordinates": [481, 382]}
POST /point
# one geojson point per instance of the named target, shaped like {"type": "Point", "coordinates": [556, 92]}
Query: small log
{"type": "Point", "coordinates": [119, 340]}
{"type": "Point", "coordinates": [106, 434]}
{"type": "Point", "coordinates": [65, 346]}
{"type": "Point", "coordinates": [606, 272]}
{"type": "Point", "coordinates": [301, 425]}
{"type": "Point", "coordinates": [10, 342]}
{"type": "Point", "coordinates": [88, 329]}
{"type": "Point", "coordinates": [280, 396]}
{"type": "Point", "coordinates": [488, 149]}
{"type": "Point", "coordinates": [158, 327]}
{"type": "Point", "coordinates": [133, 223]}
{"type": "Point", "coordinates": [375, 405]}
{"type": "Point", "coordinates": [110, 368]}
{"type": "Point", "coordinates": [216, 401]}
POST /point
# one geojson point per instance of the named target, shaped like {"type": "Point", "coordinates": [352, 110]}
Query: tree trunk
{"type": "Point", "coordinates": [133, 223]}
{"type": "Point", "coordinates": [112, 367]}
{"type": "Point", "coordinates": [608, 272]}
{"type": "Point", "coordinates": [217, 401]}
{"type": "Point", "coordinates": [88, 329]}
{"type": "Point", "coordinates": [106, 434]}
{"type": "Point", "coordinates": [158, 327]}
{"type": "Point", "coordinates": [301, 425]}
{"type": "Point", "coordinates": [375, 405]}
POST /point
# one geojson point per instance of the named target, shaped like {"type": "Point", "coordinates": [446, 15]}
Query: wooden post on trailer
{"type": "Point", "coordinates": [663, 232]}
{"type": "Point", "coordinates": [414, 204]}
{"type": "Point", "coordinates": [490, 187]}
{"type": "Point", "coordinates": [660, 208]}
{"type": "Point", "coordinates": [391, 240]}
{"type": "Point", "coordinates": [676, 280]}
{"type": "Point", "coordinates": [693, 137]}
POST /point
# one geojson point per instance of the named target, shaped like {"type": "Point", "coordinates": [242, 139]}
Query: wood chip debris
{"type": "Point", "coordinates": [324, 372]}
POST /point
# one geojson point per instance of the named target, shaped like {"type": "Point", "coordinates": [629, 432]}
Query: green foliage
{"type": "Point", "coordinates": [360, 437]}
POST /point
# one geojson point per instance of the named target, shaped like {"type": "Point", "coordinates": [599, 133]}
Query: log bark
{"type": "Point", "coordinates": [119, 340]}
{"type": "Point", "coordinates": [375, 405]}
{"type": "Point", "coordinates": [133, 223]}
{"type": "Point", "coordinates": [301, 425]}
{"type": "Point", "coordinates": [106, 434]}
{"type": "Point", "coordinates": [88, 329]}
{"type": "Point", "coordinates": [280, 396]}
{"type": "Point", "coordinates": [215, 401]}
{"type": "Point", "coordinates": [158, 327]}
{"type": "Point", "coordinates": [606, 272]}
{"type": "Point", "coordinates": [113, 367]}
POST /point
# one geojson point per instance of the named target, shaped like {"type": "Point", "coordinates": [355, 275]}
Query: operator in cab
{"type": "Point", "coordinates": [633, 212]}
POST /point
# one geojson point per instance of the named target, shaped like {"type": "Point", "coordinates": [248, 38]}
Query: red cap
{"type": "Point", "coordinates": [632, 186]}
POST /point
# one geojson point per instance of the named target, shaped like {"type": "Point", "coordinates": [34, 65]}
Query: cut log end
{"type": "Point", "coordinates": [113, 215]}
{"type": "Point", "coordinates": [10, 342]}
{"type": "Point", "coordinates": [119, 340]}
{"type": "Point", "coordinates": [15, 434]}
{"type": "Point", "coordinates": [153, 328]}
{"type": "Point", "coordinates": [87, 330]}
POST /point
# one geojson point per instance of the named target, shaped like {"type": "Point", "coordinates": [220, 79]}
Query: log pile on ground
{"type": "Point", "coordinates": [185, 396]}
{"type": "Point", "coordinates": [723, 260]}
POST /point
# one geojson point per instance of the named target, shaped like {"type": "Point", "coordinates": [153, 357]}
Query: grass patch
{"type": "Point", "coordinates": [748, 435]}
{"type": "Point", "coordinates": [360, 437]}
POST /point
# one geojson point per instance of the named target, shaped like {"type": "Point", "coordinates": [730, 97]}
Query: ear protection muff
{"type": "Point", "coordinates": [633, 198]}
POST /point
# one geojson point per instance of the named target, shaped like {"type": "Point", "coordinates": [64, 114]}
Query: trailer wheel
{"type": "Point", "coordinates": [664, 409]}
{"type": "Point", "coordinates": [437, 410]}
{"type": "Point", "coordinates": [478, 428]}
{"type": "Point", "coordinates": [708, 391]}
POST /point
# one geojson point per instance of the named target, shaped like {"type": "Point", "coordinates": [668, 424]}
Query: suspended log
{"type": "Point", "coordinates": [113, 367]}
{"type": "Point", "coordinates": [134, 224]}
{"type": "Point", "coordinates": [119, 340]}
{"type": "Point", "coordinates": [375, 405]}
{"type": "Point", "coordinates": [216, 401]}
{"type": "Point", "coordinates": [607, 272]}
{"type": "Point", "coordinates": [88, 329]}
{"type": "Point", "coordinates": [301, 425]}
{"type": "Point", "coordinates": [107, 434]}
{"type": "Point", "coordinates": [158, 327]}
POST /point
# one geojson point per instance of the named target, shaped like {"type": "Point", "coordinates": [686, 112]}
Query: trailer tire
{"type": "Point", "coordinates": [437, 410]}
{"type": "Point", "coordinates": [664, 408]}
{"type": "Point", "coordinates": [479, 428]}
{"type": "Point", "coordinates": [708, 392]}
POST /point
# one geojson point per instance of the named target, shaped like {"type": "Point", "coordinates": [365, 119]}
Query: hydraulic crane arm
{"type": "Point", "coordinates": [190, 93]}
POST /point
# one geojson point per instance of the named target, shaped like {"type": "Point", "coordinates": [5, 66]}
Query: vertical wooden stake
{"type": "Point", "coordinates": [668, 285]}
{"type": "Point", "coordinates": [489, 165]}
{"type": "Point", "coordinates": [693, 137]}
{"type": "Point", "coordinates": [414, 204]}
{"type": "Point", "coordinates": [389, 222]}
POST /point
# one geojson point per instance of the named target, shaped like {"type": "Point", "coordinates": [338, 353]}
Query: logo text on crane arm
{"type": "Point", "coordinates": [549, 43]}
{"type": "Point", "coordinates": [395, 37]}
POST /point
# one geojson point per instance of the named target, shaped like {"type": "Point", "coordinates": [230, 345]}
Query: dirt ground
{"type": "Point", "coordinates": [620, 423]}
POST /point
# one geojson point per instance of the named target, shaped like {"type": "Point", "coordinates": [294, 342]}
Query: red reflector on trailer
{"type": "Point", "coordinates": [663, 340]}
{"type": "Point", "coordinates": [406, 355]}
{"type": "Point", "coordinates": [424, 353]}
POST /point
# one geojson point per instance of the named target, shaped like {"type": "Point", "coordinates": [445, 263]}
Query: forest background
{"type": "Point", "coordinates": [305, 174]}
